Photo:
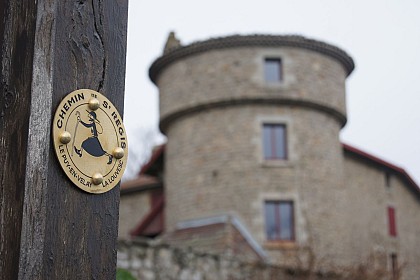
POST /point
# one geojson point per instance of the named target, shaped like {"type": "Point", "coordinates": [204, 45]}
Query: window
{"type": "Point", "coordinates": [387, 179]}
{"type": "Point", "coordinates": [394, 266]}
{"type": "Point", "coordinates": [392, 222]}
{"type": "Point", "coordinates": [279, 220]}
{"type": "Point", "coordinates": [272, 70]}
{"type": "Point", "coordinates": [274, 141]}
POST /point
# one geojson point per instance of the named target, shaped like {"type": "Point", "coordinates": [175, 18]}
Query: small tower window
{"type": "Point", "coordinates": [279, 220]}
{"type": "Point", "coordinates": [274, 142]}
{"type": "Point", "coordinates": [394, 267]}
{"type": "Point", "coordinates": [388, 179]}
{"type": "Point", "coordinates": [273, 70]}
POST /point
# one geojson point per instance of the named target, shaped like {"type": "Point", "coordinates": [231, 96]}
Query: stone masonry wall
{"type": "Point", "coordinates": [147, 259]}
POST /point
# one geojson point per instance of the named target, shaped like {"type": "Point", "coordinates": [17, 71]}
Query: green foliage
{"type": "Point", "coordinates": [123, 274]}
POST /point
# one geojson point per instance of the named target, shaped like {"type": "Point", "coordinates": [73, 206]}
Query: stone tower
{"type": "Point", "coordinates": [254, 120]}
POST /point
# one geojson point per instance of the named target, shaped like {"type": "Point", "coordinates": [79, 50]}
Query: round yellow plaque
{"type": "Point", "coordinates": [90, 141]}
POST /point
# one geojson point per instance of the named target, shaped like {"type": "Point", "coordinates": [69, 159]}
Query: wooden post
{"type": "Point", "coordinates": [49, 228]}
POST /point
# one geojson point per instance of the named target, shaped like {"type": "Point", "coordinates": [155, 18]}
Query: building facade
{"type": "Point", "coordinates": [253, 127]}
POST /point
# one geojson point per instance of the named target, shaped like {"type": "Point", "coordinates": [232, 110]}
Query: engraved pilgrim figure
{"type": "Point", "coordinates": [92, 145]}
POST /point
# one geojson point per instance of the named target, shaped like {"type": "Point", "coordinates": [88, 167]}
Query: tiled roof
{"type": "Point", "coordinates": [145, 181]}
{"type": "Point", "coordinates": [157, 153]}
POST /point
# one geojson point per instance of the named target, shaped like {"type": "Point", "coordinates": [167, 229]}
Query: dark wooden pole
{"type": "Point", "coordinates": [49, 228]}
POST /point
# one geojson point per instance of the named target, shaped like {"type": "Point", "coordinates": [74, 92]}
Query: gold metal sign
{"type": "Point", "coordinates": [90, 141]}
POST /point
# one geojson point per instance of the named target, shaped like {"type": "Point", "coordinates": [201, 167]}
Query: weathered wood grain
{"type": "Point", "coordinates": [16, 35]}
{"type": "Point", "coordinates": [50, 229]}
{"type": "Point", "coordinates": [35, 203]}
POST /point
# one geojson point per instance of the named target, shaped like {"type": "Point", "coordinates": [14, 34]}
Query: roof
{"type": "Point", "coordinates": [217, 234]}
{"type": "Point", "coordinates": [141, 183]}
{"type": "Point", "coordinates": [148, 177]}
{"type": "Point", "coordinates": [384, 164]}
{"type": "Point", "coordinates": [236, 41]}
{"type": "Point", "coordinates": [157, 155]}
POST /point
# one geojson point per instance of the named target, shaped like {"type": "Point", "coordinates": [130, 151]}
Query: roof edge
{"type": "Point", "coordinates": [156, 153]}
{"type": "Point", "coordinates": [256, 40]}
{"type": "Point", "coordinates": [141, 188]}
{"type": "Point", "coordinates": [224, 219]}
{"type": "Point", "coordinates": [398, 170]}
{"type": "Point", "coordinates": [148, 218]}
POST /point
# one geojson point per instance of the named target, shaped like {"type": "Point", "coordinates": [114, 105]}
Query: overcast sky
{"type": "Point", "coordinates": [383, 37]}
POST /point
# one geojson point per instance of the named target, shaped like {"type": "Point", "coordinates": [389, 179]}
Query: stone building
{"type": "Point", "coordinates": [254, 166]}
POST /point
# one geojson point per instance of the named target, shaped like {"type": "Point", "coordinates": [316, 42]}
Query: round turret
{"type": "Point", "coordinates": [253, 124]}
